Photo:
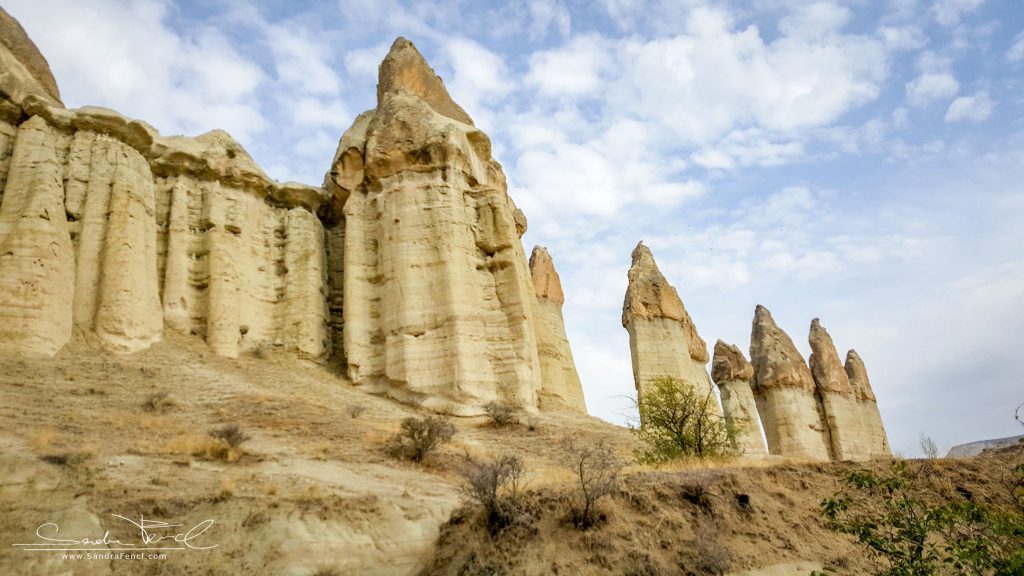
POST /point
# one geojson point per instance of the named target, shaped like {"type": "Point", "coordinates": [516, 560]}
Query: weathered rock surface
{"type": "Point", "coordinates": [560, 381]}
{"type": "Point", "coordinates": [438, 302]}
{"type": "Point", "coordinates": [108, 226]}
{"type": "Point", "coordinates": [733, 375]}
{"type": "Point", "coordinates": [877, 440]}
{"type": "Point", "coordinates": [784, 390]}
{"type": "Point", "coordinates": [23, 69]}
{"type": "Point", "coordinates": [848, 431]}
{"type": "Point", "coordinates": [662, 338]}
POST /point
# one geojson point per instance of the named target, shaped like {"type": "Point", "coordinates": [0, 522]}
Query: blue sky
{"type": "Point", "coordinates": [859, 161]}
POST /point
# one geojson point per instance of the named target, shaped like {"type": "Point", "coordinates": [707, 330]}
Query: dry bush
{"type": "Point", "coordinates": [597, 470]}
{"type": "Point", "coordinates": [232, 434]}
{"type": "Point", "coordinates": [356, 410]}
{"type": "Point", "coordinates": [418, 437]}
{"type": "Point", "coordinates": [928, 447]}
{"type": "Point", "coordinates": [66, 458]}
{"type": "Point", "coordinates": [158, 402]}
{"type": "Point", "coordinates": [711, 557]}
{"type": "Point", "coordinates": [494, 485]}
{"type": "Point", "coordinates": [501, 415]}
{"type": "Point", "coordinates": [641, 564]}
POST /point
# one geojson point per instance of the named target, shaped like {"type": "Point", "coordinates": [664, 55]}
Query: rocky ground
{"type": "Point", "coordinates": [88, 435]}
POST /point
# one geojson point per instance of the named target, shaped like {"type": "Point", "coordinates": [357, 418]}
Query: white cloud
{"type": "Point", "coordinates": [930, 87]}
{"type": "Point", "coordinates": [545, 14]}
{"type": "Point", "coordinates": [949, 12]}
{"type": "Point", "coordinates": [1016, 52]}
{"type": "Point", "coordinates": [143, 68]}
{"type": "Point", "coordinates": [480, 75]}
{"type": "Point", "coordinates": [575, 69]}
{"type": "Point", "coordinates": [302, 62]}
{"type": "Point", "coordinates": [903, 37]}
{"type": "Point", "coordinates": [976, 108]}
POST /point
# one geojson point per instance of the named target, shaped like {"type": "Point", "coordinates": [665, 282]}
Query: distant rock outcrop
{"type": "Point", "coordinates": [662, 338]}
{"type": "Point", "coordinates": [791, 412]}
{"type": "Point", "coordinates": [734, 375]}
{"type": "Point", "coordinates": [560, 381]}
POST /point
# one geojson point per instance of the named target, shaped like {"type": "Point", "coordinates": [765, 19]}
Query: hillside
{"type": "Point", "coordinates": [314, 487]}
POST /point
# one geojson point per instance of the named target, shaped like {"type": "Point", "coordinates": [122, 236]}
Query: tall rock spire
{"type": "Point", "coordinates": [871, 418]}
{"type": "Point", "coordinates": [560, 381]}
{"type": "Point", "coordinates": [438, 301]}
{"type": "Point", "coordinates": [662, 338]}
{"type": "Point", "coordinates": [733, 375]}
{"type": "Point", "coordinates": [793, 419]}
{"type": "Point", "coordinates": [842, 413]}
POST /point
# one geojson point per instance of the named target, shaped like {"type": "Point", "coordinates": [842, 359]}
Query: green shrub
{"type": "Point", "coordinates": [917, 534]}
{"type": "Point", "coordinates": [677, 421]}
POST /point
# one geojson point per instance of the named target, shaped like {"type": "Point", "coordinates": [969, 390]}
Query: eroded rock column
{"type": "Point", "coordinates": [784, 390]}
{"type": "Point", "coordinates": [848, 435]}
{"type": "Point", "coordinates": [734, 375]}
{"type": "Point", "coordinates": [877, 439]}
{"type": "Point", "coordinates": [662, 338]}
{"type": "Point", "coordinates": [561, 382]}
{"type": "Point", "coordinates": [36, 255]}
{"type": "Point", "coordinates": [438, 304]}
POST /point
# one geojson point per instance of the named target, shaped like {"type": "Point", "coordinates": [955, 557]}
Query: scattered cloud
{"type": "Point", "coordinates": [949, 12]}
{"type": "Point", "coordinates": [930, 87]}
{"type": "Point", "coordinates": [1016, 52]}
{"type": "Point", "coordinates": [976, 108]}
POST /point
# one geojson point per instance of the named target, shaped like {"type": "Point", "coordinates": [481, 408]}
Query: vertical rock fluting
{"type": "Point", "coordinates": [36, 258]}
{"type": "Point", "coordinates": [438, 304]}
{"type": "Point", "coordinates": [734, 375]}
{"type": "Point", "coordinates": [877, 440]}
{"type": "Point", "coordinates": [662, 338]}
{"type": "Point", "coordinates": [561, 382]}
{"type": "Point", "coordinates": [843, 414]}
{"type": "Point", "coordinates": [784, 390]}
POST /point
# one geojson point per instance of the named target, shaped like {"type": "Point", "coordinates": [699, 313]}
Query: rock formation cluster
{"type": "Point", "coordinates": [405, 268]}
{"type": "Point", "coordinates": [819, 411]}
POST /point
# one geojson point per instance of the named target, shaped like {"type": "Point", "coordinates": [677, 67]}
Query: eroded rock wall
{"type": "Point", "coordinates": [791, 412]}
{"type": "Point", "coordinates": [560, 381]}
{"type": "Point", "coordinates": [734, 375]}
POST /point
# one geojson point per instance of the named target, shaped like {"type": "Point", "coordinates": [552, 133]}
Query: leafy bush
{"type": "Point", "coordinates": [677, 421]}
{"type": "Point", "coordinates": [894, 517]}
{"type": "Point", "coordinates": [494, 485]}
{"type": "Point", "coordinates": [597, 470]}
{"type": "Point", "coordinates": [418, 437]}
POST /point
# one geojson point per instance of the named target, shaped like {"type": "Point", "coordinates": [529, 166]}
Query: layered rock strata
{"type": "Point", "coordinates": [438, 304]}
{"type": "Point", "coordinates": [663, 340]}
{"type": "Point", "coordinates": [734, 375]}
{"type": "Point", "coordinates": [877, 442]}
{"type": "Point", "coordinates": [791, 411]}
{"type": "Point", "coordinates": [560, 381]}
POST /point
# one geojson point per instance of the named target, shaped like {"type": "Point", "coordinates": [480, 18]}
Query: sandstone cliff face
{"type": "Point", "coordinates": [438, 302]}
{"type": "Point", "coordinates": [848, 431]}
{"type": "Point", "coordinates": [109, 227]}
{"type": "Point", "coordinates": [662, 338]}
{"type": "Point", "coordinates": [560, 381]}
{"type": "Point", "coordinates": [784, 390]}
{"type": "Point", "coordinates": [871, 419]}
{"type": "Point", "coordinates": [733, 375]}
